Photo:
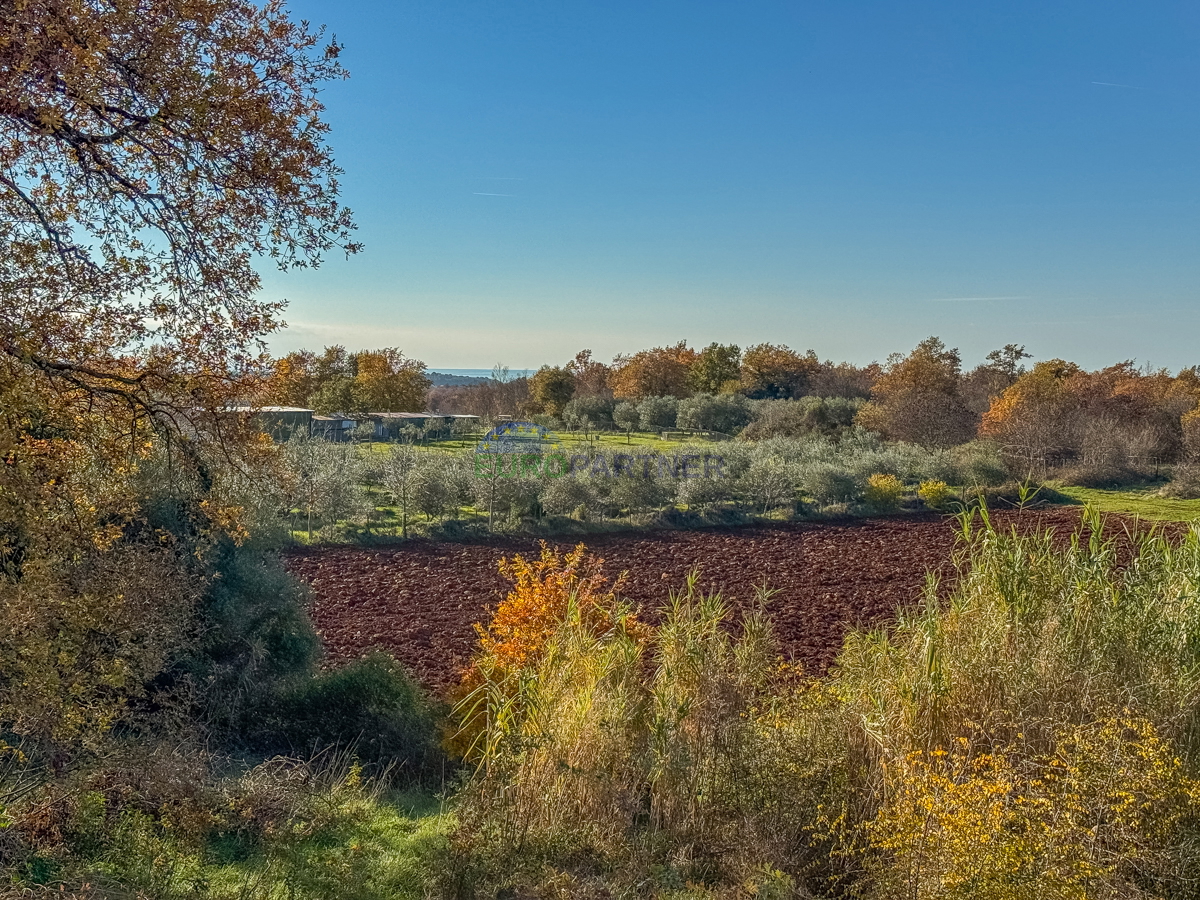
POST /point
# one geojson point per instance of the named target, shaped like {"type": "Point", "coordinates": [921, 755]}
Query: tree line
{"type": "Point", "coordinates": [1049, 413]}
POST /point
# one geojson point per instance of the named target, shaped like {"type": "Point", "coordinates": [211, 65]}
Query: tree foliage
{"type": "Point", "coordinates": [1105, 416]}
{"type": "Point", "coordinates": [151, 151]}
{"type": "Point", "coordinates": [658, 372]}
{"type": "Point", "coordinates": [337, 382]}
{"type": "Point", "coordinates": [916, 398]}
{"type": "Point", "coordinates": [716, 369]}
{"type": "Point", "coordinates": [551, 388]}
{"type": "Point", "coordinates": [776, 371]}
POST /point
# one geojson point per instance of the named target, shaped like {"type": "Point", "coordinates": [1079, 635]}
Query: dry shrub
{"type": "Point", "coordinates": [1184, 483]}
{"type": "Point", "coordinates": [1036, 733]}
{"type": "Point", "coordinates": [544, 589]}
{"type": "Point", "coordinates": [675, 754]}
{"type": "Point", "coordinates": [546, 592]}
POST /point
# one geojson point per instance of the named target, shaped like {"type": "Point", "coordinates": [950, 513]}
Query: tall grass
{"type": "Point", "coordinates": [1031, 730]}
{"type": "Point", "coordinates": [656, 755]}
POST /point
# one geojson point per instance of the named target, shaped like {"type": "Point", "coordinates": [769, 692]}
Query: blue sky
{"type": "Point", "coordinates": [533, 178]}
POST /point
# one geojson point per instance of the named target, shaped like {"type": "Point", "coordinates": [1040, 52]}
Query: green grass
{"type": "Point", "coordinates": [386, 849]}
{"type": "Point", "coordinates": [1141, 502]}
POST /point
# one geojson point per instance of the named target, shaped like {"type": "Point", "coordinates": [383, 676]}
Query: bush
{"type": "Point", "coordinates": [884, 491]}
{"type": "Point", "coordinates": [935, 494]}
{"type": "Point", "coordinates": [827, 484]}
{"type": "Point", "coordinates": [1184, 483]}
{"type": "Point", "coordinates": [979, 463]}
{"type": "Point", "coordinates": [1050, 680]}
{"type": "Point", "coordinates": [1033, 734]}
{"type": "Point", "coordinates": [725, 413]}
{"type": "Point", "coordinates": [1102, 474]}
{"type": "Point", "coordinates": [370, 707]}
{"type": "Point", "coordinates": [254, 637]}
{"type": "Point", "coordinates": [658, 413]}
{"type": "Point", "coordinates": [796, 418]}
{"type": "Point", "coordinates": [667, 756]}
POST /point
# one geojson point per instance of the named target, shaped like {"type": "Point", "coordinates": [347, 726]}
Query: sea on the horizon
{"type": "Point", "coordinates": [480, 373]}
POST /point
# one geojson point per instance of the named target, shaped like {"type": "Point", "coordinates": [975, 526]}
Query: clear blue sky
{"type": "Point", "coordinates": [532, 178]}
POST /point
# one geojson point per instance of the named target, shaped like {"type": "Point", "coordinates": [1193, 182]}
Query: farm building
{"type": "Point", "coordinates": [333, 428]}
{"type": "Point", "coordinates": [390, 426]}
{"type": "Point", "coordinates": [280, 422]}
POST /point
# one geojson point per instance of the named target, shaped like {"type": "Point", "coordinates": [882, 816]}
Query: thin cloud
{"type": "Point", "coordinates": [972, 299]}
{"type": "Point", "coordinates": [1111, 84]}
{"type": "Point", "coordinates": [486, 194]}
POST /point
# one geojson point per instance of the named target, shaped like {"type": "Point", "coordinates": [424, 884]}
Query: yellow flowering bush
{"type": "Point", "coordinates": [935, 494]}
{"type": "Point", "coordinates": [884, 491]}
{"type": "Point", "coordinates": [1085, 820]}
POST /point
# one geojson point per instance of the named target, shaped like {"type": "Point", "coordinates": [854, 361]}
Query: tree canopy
{"type": "Point", "coordinates": [151, 152]}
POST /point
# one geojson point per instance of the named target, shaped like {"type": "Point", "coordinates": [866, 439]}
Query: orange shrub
{"type": "Point", "coordinates": [542, 591]}
{"type": "Point", "coordinates": [541, 598]}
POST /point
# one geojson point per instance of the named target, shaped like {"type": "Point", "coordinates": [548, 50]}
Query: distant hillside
{"type": "Point", "coordinates": [441, 379]}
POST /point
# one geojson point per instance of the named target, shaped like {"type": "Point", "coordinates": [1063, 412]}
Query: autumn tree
{"type": "Point", "coordinates": [387, 381]}
{"type": "Point", "coordinates": [994, 376]}
{"type": "Point", "coordinates": [775, 371]}
{"type": "Point", "coordinates": [916, 398]}
{"type": "Point", "coordinates": [716, 369]}
{"type": "Point", "coordinates": [844, 380]}
{"type": "Point", "coordinates": [591, 377]}
{"type": "Point", "coordinates": [1113, 418]}
{"type": "Point", "coordinates": [1034, 417]}
{"type": "Point", "coordinates": [292, 380]}
{"type": "Point", "coordinates": [658, 372]}
{"type": "Point", "coordinates": [551, 389]}
{"type": "Point", "coordinates": [152, 152]}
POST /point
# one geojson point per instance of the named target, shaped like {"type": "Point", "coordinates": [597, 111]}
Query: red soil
{"type": "Point", "coordinates": [420, 601]}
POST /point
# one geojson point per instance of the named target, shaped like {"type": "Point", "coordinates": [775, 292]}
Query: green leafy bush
{"type": "Point", "coordinates": [827, 484]}
{"type": "Point", "coordinates": [370, 707]}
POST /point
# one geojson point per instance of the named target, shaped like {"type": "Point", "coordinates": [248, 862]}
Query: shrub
{"type": "Point", "coordinates": [1100, 474]}
{"type": "Point", "coordinates": [884, 491]}
{"type": "Point", "coordinates": [724, 413]}
{"type": "Point", "coordinates": [658, 413]}
{"type": "Point", "coordinates": [545, 590]}
{"type": "Point", "coordinates": [370, 707]}
{"type": "Point", "coordinates": [795, 418]}
{"type": "Point", "coordinates": [935, 494]}
{"type": "Point", "coordinates": [827, 484]}
{"type": "Point", "coordinates": [1032, 732]}
{"type": "Point", "coordinates": [562, 496]}
{"type": "Point", "coordinates": [672, 755]}
{"type": "Point", "coordinates": [979, 463]}
{"type": "Point", "coordinates": [1185, 483]}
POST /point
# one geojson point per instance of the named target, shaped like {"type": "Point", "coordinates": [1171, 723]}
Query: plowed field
{"type": "Point", "coordinates": [420, 601]}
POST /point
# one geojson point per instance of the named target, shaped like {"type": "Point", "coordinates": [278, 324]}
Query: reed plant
{"type": "Point", "coordinates": [1029, 730]}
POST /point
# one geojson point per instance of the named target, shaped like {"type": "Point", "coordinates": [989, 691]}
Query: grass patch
{"type": "Point", "coordinates": [384, 848]}
{"type": "Point", "coordinates": [1143, 502]}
